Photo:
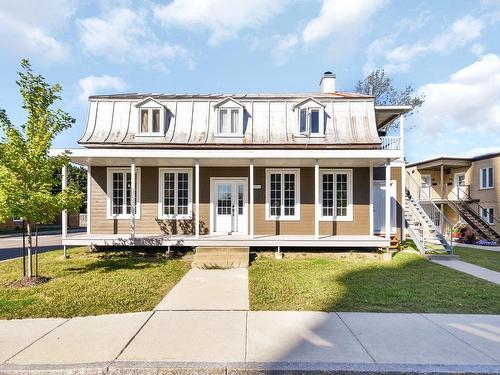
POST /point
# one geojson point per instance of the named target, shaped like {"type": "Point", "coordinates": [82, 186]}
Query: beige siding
{"type": "Point", "coordinates": [148, 222]}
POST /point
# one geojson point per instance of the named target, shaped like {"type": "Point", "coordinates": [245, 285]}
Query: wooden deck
{"type": "Point", "coordinates": [343, 241]}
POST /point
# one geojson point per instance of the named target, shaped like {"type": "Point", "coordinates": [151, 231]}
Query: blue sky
{"type": "Point", "coordinates": [450, 50]}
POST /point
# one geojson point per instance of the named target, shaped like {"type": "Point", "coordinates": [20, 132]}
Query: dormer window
{"type": "Point", "coordinates": [229, 121]}
{"type": "Point", "coordinates": [151, 117]}
{"type": "Point", "coordinates": [150, 120]}
{"type": "Point", "coordinates": [311, 115]}
{"type": "Point", "coordinates": [229, 118]}
{"type": "Point", "coordinates": [309, 121]}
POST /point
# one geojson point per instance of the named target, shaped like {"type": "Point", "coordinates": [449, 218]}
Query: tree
{"type": "Point", "coordinates": [379, 85]}
{"type": "Point", "coordinates": [26, 169]}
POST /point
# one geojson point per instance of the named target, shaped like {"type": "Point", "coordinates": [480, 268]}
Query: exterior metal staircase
{"type": "Point", "coordinates": [469, 210]}
{"type": "Point", "coordinates": [428, 227]}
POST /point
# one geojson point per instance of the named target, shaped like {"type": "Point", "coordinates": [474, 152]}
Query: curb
{"type": "Point", "coordinates": [281, 368]}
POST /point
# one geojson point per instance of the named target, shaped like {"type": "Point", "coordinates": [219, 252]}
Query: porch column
{"type": "Point", "coordinates": [64, 213]}
{"type": "Point", "coordinates": [387, 200]}
{"type": "Point", "coordinates": [316, 199]}
{"type": "Point", "coordinates": [401, 131]}
{"type": "Point", "coordinates": [403, 199]}
{"type": "Point", "coordinates": [251, 198]}
{"type": "Point", "coordinates": [443, 192]}
{"type": "Point", "coordinates": [89, 190]}
{"type": "Point", "coordinates": [371, 200]}
{"type": "Point", "coordinates": [197, 198]}
{"type": "Point", "coordinates": [132, 199]}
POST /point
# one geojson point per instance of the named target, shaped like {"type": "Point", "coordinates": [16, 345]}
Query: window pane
{"type": "Point", "coordinates": [156, 120]}
{"type": "Point", "coordinates": [275, 191]}
{"type": "Point", "coordinates": [491, 216]}
{"type": "Point", "coordinates": [129, 192]}
{"type": "Point", "coordinates": [240, 199]}
{"type": "Point", "coordinates": [117, 200]}
{"type": "Point", "coordinates": [289, 202]}
{"type": "Point", "coordinates": [327, 185]}
{"type": "Point", "coordinates": [235, 121]}
{"type": "Point", "coordinates": [341, 194]}
{"type": "Point", "coordinates": [314, 121]}
{"type": "Point", "coordinates": [490, 177]}
{"type": "Point", "coordinates": [168, 194]}
{"type": "Point", "coordinates": [303, 120]}
{"type": "Point", "coordinates": [144, 121]}
{"type": "Point", "coordinates": [182, 193]}
{"type": "Point", "coordinates": [223, 121]}
{"type": "Point", "coordinates": [224, 199]}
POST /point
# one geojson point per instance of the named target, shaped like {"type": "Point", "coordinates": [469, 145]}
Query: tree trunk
{"type": "Point", "coordinates": [30, 246]}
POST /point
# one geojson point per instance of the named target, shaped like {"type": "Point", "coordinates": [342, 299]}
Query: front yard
{"type": "Point", "coordinates": [483, 258]}
{"type": "Point", "coordinates": [409, 283]}
{"type": "Point", "coordinates": [89, 284]}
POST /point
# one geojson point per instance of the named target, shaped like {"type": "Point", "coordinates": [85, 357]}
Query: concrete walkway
{"type": "Point", "coordinates": [225, 289]}
{"type": "Point", "coordinates": [471, 269]}
{"type": "Point", "coordinates": [224, 341]}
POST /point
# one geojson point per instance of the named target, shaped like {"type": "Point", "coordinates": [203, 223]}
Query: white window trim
{"type": "Point", "coordinates": [321, 124]}
{"type": "Point", "coordinates": [161, 181]}
{"type": "Point", "coordinates": [481, 187]}
{"type": "Point", "coordinates": [109, 193]}
{"type": "Point", "coordinates": [487, 218]}
{"type": "Point", "coordinates": [140, 133]}
{"type": "Point", "coordinates": [295, 217]}
{"type": "Point", "coordinates": [240, 116]}
{"type": "Point", "coordinates": [349, 216]}
{"type": "Point", "coordinates": [17, 220]}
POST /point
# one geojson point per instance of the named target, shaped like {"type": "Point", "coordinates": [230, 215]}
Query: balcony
{"type": "Point", "coordinates": [390, 143]}
{"type": "Point", "coordinates": [445, 193]}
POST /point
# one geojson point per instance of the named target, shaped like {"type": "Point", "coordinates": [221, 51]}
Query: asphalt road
{"type": "Point", "coordinates": [12, 247]}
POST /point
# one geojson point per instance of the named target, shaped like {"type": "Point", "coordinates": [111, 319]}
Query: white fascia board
{"type": "Point", "coordinates": [228, 153]}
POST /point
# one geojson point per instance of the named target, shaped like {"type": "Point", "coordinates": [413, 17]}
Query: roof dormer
{"type": "Point", "coordinates": [310, 117]}
{"type": "Point", "coordinates": [152, 115]}
{"type": "Point", "coordinates": [229, 118]}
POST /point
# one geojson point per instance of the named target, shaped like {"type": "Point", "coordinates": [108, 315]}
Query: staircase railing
{"type": "Point", "coordinates": [469, 202]}
{"type": "Point", "coordinates": [439, 221]}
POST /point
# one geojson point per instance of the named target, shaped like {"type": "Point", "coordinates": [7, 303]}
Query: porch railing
{"type": "Point", "coordinates": [390, 143]}
{"type": "Point", "coordinates": [446, 192]}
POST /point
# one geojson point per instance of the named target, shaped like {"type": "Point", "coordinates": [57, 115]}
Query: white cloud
{"type": "Point", "coordinates": [400, 58]}
{"type": "Point", "coordinates": [123, 35]}
{"type": "Point", "coordinates": [480, 151]}
{"type": "Point", "coordinates": [470, 98]}
{"type": "Point", "coordinates": [223, 19]}
{"type": "Point", "coordinates": [477, 49]}
{"type": "Point", "coordinates": [284, 48]}
{"type": "Point", "coordinates": [31, 27]}
{"type": "Point", "coordinates": [340, 17]}
{"type": "Point", "coordinates": [94, 84]}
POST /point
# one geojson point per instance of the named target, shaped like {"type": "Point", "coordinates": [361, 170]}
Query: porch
{"type": "Point", "coordinates": [225, 240]}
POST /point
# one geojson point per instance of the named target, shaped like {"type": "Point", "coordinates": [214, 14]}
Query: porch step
{"type": "Point", "coordinates": [221, 257]}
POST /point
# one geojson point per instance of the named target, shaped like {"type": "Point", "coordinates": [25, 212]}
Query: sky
{"type": "Point", "coordinates": [448, 49]}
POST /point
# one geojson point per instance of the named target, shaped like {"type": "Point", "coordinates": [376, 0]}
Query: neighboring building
{"type": "Point", "coordinates": [251, 169]}
{"type": "Point", "coordinates": [467, 189]}
{"type": "Point", "coordinates": [17, 224]}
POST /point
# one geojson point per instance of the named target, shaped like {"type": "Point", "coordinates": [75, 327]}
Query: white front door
{"type": "Point", "coordinates": [426, 187]}
{"type": "Point", "coordinates": [229, 202]}
{"type": "Point", "coordinates": [459, 188]}
{"type": "Point", "coordinates": [379, 206]}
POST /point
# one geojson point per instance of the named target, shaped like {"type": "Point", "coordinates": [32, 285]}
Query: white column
{"type": "Point", "coordinates": [132, 199]}
{"type": "Point", "coordinates": [403, 199]}
{"type": "Point", "coordinates": [197, 198]}
{"type": "Point", "coordinates": [371, 200]}
{"type": "Point", "coordinates": [251, 198]}
{"type": "Point", "coordinates": [387, 200]}
{"type": "Point", "coordinates": [316, 199]}
{"type": "Point", "coordinates": [89, 195]}
{"type": "Point", "coordinates": [64, 213]}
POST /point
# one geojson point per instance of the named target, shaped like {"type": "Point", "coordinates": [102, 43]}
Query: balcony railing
{"type": "Point", "coordinates": [390, 143]}
{"type": "Point", "coordinates": [448, 192]}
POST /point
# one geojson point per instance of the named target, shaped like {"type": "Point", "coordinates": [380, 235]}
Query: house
{"type": "Point", "coordinates": [271, 170]}
{"type": "Point", "coordinates": [466, 189]}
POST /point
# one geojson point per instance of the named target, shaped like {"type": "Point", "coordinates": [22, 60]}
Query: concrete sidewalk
{"type": "Point", "coordinates": [471, 269]}
{"type": "Point", "coordinates": [221, 289]}
{"type": "Point", "coordinates": [239, 341]}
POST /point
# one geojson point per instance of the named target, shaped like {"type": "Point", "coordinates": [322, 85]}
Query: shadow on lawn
{"type": "Point", "coordinates": [108, 262]}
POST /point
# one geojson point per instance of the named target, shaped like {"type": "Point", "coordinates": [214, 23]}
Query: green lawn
{"type": "Point", "coordinates": [409, 283]}
{"type": "Point", "coordinates": [483, 258]}
{"type": "Point", "coordinates": [88, 284]}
